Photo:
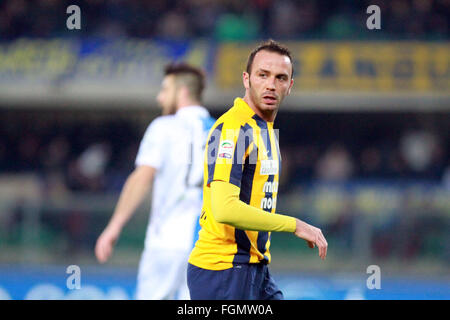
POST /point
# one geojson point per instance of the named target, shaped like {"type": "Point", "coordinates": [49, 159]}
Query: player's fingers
{"type": "Point", "coordinates": [323, 244]}
{"type": "Point", "coordinates": [107, 252]}
{"type": "Point", "coordinates": [103, 251]}
{"type": "Point", "coordinates": [320, 246]}
{"type": "Point", "coordinates": [101, 258]}
{"type": "Point", "coordinates": [310, 244]}
{"type": "Point", "coordinates": [317, 243]}
{"type": "Point", "coordinates": [324, 249]}
{"type": "Point", "coordinates": [98, 252]}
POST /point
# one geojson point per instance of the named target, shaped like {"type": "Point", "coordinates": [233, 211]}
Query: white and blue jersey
{"type": "Point", "coordinates": [174, 146]}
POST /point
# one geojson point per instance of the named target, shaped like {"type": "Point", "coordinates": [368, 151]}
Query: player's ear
{"type": "Point", "coordinates": [246, 80]}
{"type": "Point", "coordinates": [290, 87]}
{"type": "Point", "coordinates": [182, 93]}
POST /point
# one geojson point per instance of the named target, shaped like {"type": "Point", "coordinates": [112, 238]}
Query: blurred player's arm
{"type": "Point", "coordinates": [133, 192]}
{"type": "Point", "coordinates": [229, 209]}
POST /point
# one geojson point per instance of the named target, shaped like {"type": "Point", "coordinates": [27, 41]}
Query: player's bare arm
{"type": "Point", "coordinates": [134, 190]}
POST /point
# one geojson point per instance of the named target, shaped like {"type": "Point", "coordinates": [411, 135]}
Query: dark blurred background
{"type": "Point", "coordinates": [365, 135]}
{"type": "Point", "coordinates": [228, 19]}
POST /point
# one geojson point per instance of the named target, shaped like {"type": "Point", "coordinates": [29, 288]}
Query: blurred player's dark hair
{"type": "Point", "coordinates": [272, 46]}
{"type": "Point", "coordinates": [191, 77]}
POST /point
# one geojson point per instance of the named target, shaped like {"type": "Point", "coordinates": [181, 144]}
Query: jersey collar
{"type": "Point", "coordinates": [245, 109]}
{"type": "Point", "coordinates": [189, 110]}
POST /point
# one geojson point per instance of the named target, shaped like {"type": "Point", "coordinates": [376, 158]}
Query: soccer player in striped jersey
{"type": "Point", "coordinates": [241, 171]}
{"type": "Point", "coordinates": [170, 158]}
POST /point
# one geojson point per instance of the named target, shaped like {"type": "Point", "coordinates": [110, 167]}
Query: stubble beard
{"type": "Point", "coordinates": [170, 109]}
{"type": "Point", "coordinates": [256, 99]}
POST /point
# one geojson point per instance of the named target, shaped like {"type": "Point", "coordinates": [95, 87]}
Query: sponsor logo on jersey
{"type": "Point", "coordinates": [270, 187]}
{"type": "Point", "coordinates": [267, 203]}
{"type": "Point", "coordinates": [268, 167]}
{"type": "Point", "coordinates": [225, 155]}
{"type": "Point", "coordinates": [226, 149]}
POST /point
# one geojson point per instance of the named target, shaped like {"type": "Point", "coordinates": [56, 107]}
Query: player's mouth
{"type": "Point", "coordinates": [269, 99]}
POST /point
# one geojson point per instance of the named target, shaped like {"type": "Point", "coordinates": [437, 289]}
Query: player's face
{"type": "Point", "coordinates": [269, 82]}
{"type": "Point", "coordinates": [167, 97]}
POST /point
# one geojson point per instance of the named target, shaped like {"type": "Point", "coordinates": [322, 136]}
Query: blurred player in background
{"type": "Point", "coordinates": [230, 258]}
{"type": "Point", "coordinates": [170, 158]}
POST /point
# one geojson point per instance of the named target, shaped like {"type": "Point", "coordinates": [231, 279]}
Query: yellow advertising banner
{"type": "Point", "coordinates": [351, 66]}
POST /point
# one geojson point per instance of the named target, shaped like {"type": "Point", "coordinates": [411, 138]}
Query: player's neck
{"type": "Point", "coordinates": [187, 103]}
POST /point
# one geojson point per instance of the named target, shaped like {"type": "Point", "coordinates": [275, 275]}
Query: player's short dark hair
{"type": "Point", "coordinates": [192, 77]}
{"type": "Point", "coordinates": [272, 46]}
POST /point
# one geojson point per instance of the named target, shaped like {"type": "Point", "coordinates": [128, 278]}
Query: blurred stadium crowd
{"type": "Point", "coordinates": [70, 158]}
{"type": "Point", "coordinates": [227, 19]}
{"type": "Point", "coordinates": [78, 156]}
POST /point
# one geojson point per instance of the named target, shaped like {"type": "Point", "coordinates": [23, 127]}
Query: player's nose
{"type": "Point", "coordinates": [270, 84]}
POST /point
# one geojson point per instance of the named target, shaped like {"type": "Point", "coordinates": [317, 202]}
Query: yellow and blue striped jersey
{"type": "Point", "coordinates": [241, 149]}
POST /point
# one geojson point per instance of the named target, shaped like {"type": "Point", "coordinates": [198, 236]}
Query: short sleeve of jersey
{"type": "Point", "coordinates": [228, 148]}
{"type": "Point", "coordinates": [151, 148]}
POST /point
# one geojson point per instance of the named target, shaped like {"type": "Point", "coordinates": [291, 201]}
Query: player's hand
{"type": "Point", "coordinates": [105, 244]}
{"type": "Point", "coordinates": [313, 237]}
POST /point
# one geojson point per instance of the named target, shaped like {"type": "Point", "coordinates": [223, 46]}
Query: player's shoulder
{"type": "Point", "coordinates": [163, 121]}
{"type": "Point", "coordinates": [160, 125]}
{"type": "Point", "coordinates": [232, 119]}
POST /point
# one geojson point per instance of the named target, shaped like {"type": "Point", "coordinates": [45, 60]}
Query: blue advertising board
{"type": "Point", "coordinates": [106, 283]}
